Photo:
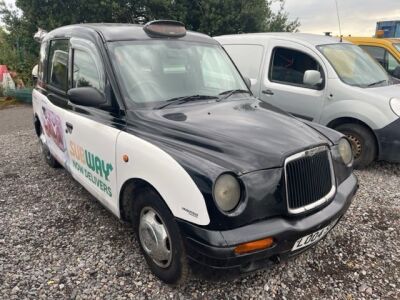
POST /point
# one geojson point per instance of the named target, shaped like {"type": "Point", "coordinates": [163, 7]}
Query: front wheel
{"type": "Point", "coordinates": [160, 239]}
{"type": "Point", "coordinates": [362, 143]}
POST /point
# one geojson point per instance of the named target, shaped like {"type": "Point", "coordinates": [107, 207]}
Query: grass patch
{"type": "Point", "coordinates": [7, 102]}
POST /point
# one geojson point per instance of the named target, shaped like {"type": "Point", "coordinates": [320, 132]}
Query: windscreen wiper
{"type": "Point", "coordinates": [378, 82]}
{"type": "Point", "coordinates": [232, 92]}
{"type": "Point", "coordinates": [185, 99]}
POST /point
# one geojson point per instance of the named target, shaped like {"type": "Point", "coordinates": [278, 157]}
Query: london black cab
{"type": "Point", "coordinates": [158, 124]}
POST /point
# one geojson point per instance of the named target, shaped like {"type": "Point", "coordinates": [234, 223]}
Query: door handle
{"type": "Point", "coordinates": [69, 127]}
{"type": "Point", "coordinates": [268, 92]}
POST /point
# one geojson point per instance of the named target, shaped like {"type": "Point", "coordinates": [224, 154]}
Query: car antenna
{"type": "Point", "coordinates": [338, 17]}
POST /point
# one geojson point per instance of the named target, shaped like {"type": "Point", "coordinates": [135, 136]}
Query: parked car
{"type": "Point", "coordinates": [158, 125]}
{"type": "Point", "coordinates": [320, 79]}
{"type": "Point", "coordinates": [385, 51]}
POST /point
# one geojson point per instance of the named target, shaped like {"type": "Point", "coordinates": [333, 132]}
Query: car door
{"type": "Point", "coordinates": [283, 80]}
{"type": "Point", "coordinates": [91, 132]}
{"type": "Point", "coordinates": [384, 57]}
{"type": "Point", "coordinates": [50, 98]}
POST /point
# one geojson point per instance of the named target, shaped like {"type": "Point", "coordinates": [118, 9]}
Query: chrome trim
{"type": "Point", "coordinates": [327, 197]}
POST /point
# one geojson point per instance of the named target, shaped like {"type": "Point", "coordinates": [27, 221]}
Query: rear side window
{"type": "Point", "coordinates": [288, 66]}
{"type": "Point", "coordinates": [42, 57]}
{"type": "Point", "coordinates": [58, 64]}
{"type": "Point", "coordinates": [86, 72]}
{"type": "Point", "coordinates": [247, 58]}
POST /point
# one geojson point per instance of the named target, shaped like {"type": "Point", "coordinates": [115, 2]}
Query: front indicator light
{"type": "Point", "coordinates": [254, 246]}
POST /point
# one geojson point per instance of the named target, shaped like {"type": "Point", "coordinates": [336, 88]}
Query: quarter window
{"type": "Point", "coordinates": [86, 72]}
{"type": "Point", "coordinates": [247, 58]}
{"type": "Point", "coordinates": [288, 67]}
{"type": "Point", "coordinates": [58, 66]}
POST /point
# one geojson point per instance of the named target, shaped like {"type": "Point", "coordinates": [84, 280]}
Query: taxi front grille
{"type": "Point", "coordinates": [309, 178]}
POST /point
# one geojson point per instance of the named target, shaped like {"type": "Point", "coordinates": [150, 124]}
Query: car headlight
{"type": "Point", "coordinates": [226, 192]}
{"type": "Point", "coordinates": [345, 151]}
{"type": "Point", "coordinates": [395, 105]}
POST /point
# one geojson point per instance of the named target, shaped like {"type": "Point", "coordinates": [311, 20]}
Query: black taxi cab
{"type": "Point", "coordinates": [159, 125]}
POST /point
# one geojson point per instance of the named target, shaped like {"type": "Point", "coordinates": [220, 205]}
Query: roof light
{"type": "Point", "coordinates": [165, 28]}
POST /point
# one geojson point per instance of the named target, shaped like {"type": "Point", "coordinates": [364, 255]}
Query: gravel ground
{"type": "Point", "coordinates": [57, 242]}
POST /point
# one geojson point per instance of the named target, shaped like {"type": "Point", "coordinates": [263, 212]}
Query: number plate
{"type": "Point", "coordinates": [313, 237]}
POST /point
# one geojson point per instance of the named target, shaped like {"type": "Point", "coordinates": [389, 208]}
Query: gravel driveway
{"type": "Point", "coordinates": [57, 241]}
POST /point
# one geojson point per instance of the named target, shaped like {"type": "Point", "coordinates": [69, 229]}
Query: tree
{"type": "Point", "coordinates": [213, 17]}
{"type": "Point", "coordinates": [279, 21]}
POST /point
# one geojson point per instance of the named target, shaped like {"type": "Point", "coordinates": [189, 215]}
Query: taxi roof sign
{"type": "Point", "coordinates": [165, 28]}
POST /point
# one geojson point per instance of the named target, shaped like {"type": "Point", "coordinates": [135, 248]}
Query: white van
{"type": "Point", "coordinates": [324, 80]}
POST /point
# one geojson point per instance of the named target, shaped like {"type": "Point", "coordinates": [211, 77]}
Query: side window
{"type": "Point", "coordinates": [387, 60]}
{"type": "Point", "coordinates": [86, 72]}
{"type": "Point", "coordinates": [288, 66]}
{"type": "Point", "coordinates": [247, 58]}
{"type": "Point", "coordinates": [58, 64]}
{"type": "Point", "coordinates": [391, 62]}
{"type": "Point", "coordinates": [42, 57]}
{"type": "Point", "coordinates": [376, 52]}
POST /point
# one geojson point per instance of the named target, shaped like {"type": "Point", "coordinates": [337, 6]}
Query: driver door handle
{"type": "Point", "coordinates": [69, 127]}
{"type": "Point", "coordinates": [268, 92]}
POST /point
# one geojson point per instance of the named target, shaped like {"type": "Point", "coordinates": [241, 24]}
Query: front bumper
{"type": "Point", "coordinates": [389, 142]}
{"type": "Point", "coordinates": [214, 250]}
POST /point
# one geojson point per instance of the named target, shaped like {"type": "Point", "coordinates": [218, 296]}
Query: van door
{"type": "Point", "coordinates": [283, 80]}
{"type": "Point", "coordinates": [92, 131]}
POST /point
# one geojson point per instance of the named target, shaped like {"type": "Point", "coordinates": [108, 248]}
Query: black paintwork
{"type": "Point", "coordinates": [214, 250]}
{"type": "Point", "coordinates": [244, 136]}
{"type": "Point", "coordinates": [389, 142]}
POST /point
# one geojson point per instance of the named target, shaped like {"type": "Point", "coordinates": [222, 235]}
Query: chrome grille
{"type": "Point", "coordinates": [310, 179]}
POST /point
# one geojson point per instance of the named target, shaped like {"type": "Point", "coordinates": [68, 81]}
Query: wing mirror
{"type": "Point", "coordinates": [86, 96]}
{"type": "Point", "coordinates": [312, 78]}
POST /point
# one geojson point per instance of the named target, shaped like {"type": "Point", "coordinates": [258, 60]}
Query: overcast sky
{"type": "Point", "coordinates": [358, 17]}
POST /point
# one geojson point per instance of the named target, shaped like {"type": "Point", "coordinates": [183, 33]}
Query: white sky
{"type": "Point", "coordinates": [358, 17]}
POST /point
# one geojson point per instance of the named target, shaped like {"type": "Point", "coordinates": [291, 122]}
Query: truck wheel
{"type": "Point", "coordinates": [160, 239]}
{"type": "Point", "coordinates": [48, 157]}
{"type": "Point", "coordinates": [362, 143]}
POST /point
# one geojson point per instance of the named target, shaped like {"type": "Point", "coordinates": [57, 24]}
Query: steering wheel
{"type": "Point", "coordinates": [148, 85]}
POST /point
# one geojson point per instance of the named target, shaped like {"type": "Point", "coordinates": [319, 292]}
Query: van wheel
{"type": "Point", "coordinates": [45, 151]}
{"type": "Point", "coordinates": [160, 239]}
{"type": "Point", "coordinates": [362, 143]}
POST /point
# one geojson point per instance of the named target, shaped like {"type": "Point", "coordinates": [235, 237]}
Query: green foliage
{"type": "Point", "coordinates": [213, 17]}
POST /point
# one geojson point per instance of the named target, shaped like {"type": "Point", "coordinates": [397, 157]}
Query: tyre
{"type": "Point", "coordinates": [362, 142]}
{"type": "Point", "coordinates": [160, 239]}
{"type": "Point", "coordinates": [45, 151]}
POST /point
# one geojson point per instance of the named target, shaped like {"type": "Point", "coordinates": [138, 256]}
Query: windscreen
{"type": "Point", "coordinates": [397, 46]}
{"type": "Point", "coordinates": [154, 71]}
{"type": "Point", "coordinates": [353, 65]}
